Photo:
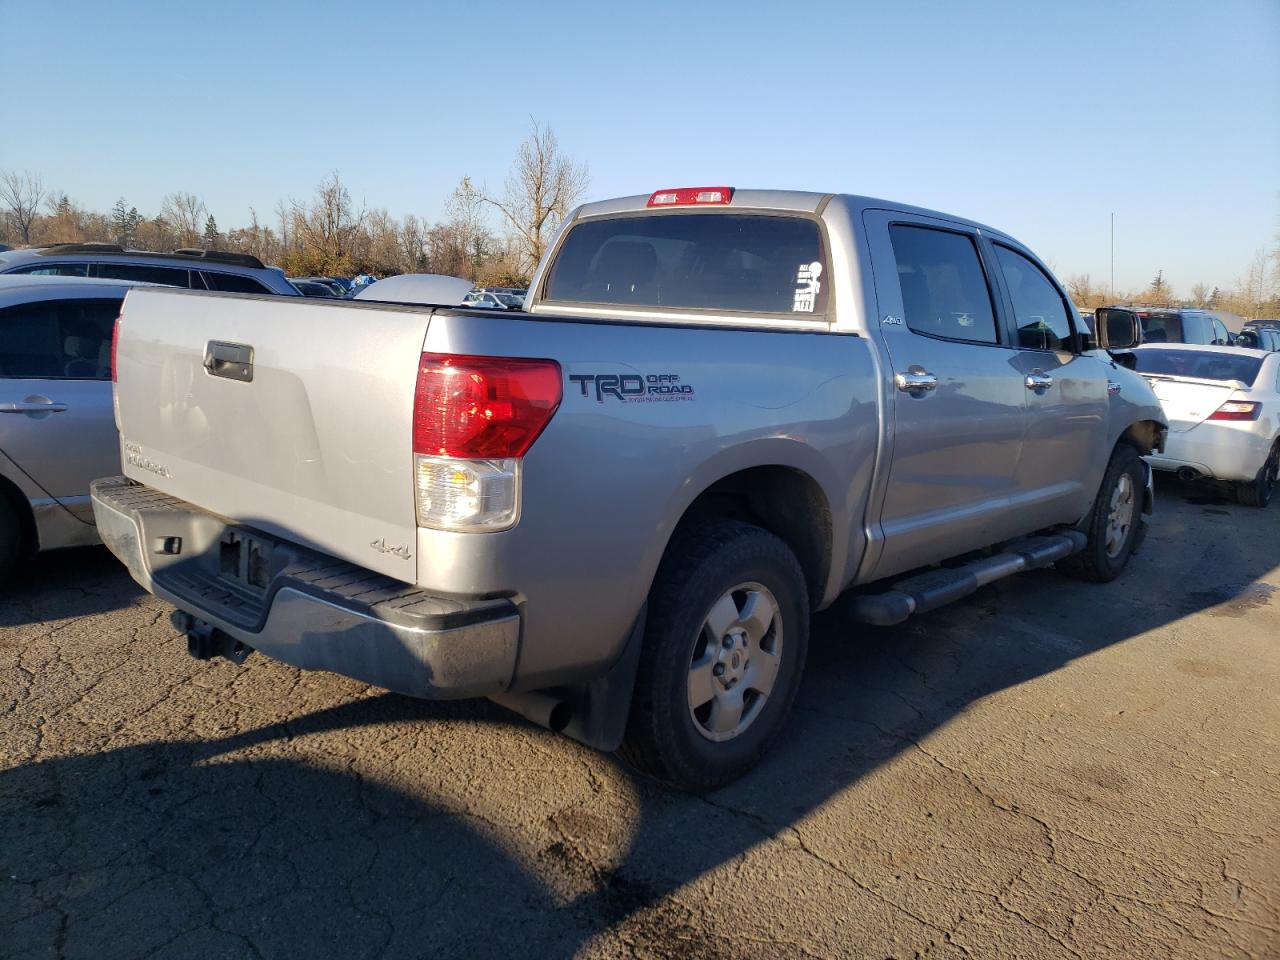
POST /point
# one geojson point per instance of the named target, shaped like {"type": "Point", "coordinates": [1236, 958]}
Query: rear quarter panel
{"type": "Point", "coordinates": [606, 484]}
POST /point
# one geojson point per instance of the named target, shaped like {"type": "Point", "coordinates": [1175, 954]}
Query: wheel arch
{"type": "Point", "coordinates": [784, 500]}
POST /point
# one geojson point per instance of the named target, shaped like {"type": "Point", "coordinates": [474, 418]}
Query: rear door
{"type": "Point", "coordinates": [56, 419]}
{"type": "Point", "coordinates": [1064, 451]}
{"type": "Point", "coordinates": [960, 406]}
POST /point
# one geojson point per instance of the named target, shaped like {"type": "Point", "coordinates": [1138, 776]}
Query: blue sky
{"type": "Point", "coordinates": [1037, 118]}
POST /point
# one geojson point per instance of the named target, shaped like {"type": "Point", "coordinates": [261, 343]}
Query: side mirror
{"type": "Point", "coordinates": [1117, 329]}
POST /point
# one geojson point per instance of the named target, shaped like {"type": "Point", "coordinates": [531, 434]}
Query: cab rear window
{"type": "Point", "coordinates": [754, 263]}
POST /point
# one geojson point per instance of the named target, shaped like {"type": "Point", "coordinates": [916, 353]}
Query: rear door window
{"type": "Point", "coordinates": [732, 262]}
{"type": "Point", "coordinates": [58, 340]}
{"type": "Point", "coordinates": [232, 283]}
{"type": "Point", "coordinates": [944, 288]}
{"type": "Point", "coordinates": [1039, 310]}
{"type": "Point", "coordinates": [145, 273]}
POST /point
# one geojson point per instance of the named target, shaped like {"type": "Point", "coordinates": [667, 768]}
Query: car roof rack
{"type": "Point", "coordinates": [183, 253]}
{"type": "Point", "coordinates": [92, 246]}
{"type": "Point", "coordinates": [220, 256]}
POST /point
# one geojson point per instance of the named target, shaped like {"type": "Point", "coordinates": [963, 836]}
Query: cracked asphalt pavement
{"type": "Point", "coordinates": [1048, 769]}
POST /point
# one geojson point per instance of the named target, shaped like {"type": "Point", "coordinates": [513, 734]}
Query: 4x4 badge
{"type": "Point", "coordinates": [382, 546]}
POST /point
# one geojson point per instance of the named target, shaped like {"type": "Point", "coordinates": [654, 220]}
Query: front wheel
{"type": "Point", "coordinates": [1259, 491]}
{"type": "Point", "coordinates": [1113, 525]}
{"type": "Point", "coordinates": [724, 648]}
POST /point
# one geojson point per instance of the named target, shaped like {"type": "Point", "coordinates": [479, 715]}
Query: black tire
{"type": "Point", "coordinates": [10, 540]}
{"type": "Point", "coordinates": [1258, 493]}
{"type": "Point", "coordinates": [702, 566]}
{"type": "Point", "coordinates": [1099, 562]}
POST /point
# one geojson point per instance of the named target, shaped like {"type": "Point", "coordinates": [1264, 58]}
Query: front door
{"type": "Point", "coordinates": [56, 420]}
{"type": "Point", "coordinates": [1066, 447]}
{"type": "Point", "coordinates": [959, 408]}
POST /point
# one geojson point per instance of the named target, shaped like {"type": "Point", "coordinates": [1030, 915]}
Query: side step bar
{"type": "Point", "coordinates": [938, 587]}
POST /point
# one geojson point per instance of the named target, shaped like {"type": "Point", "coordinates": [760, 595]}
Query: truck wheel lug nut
{"type": "Point", "coordinates": [718, 669]}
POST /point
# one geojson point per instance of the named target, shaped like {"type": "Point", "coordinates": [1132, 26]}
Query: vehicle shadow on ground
{"type": "Point", "coordinates": [66, 584]}
{"type": "Point", "coordinates": [216, 848]}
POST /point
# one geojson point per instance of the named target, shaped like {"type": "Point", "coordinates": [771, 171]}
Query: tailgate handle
{"type": "Point", "coordinates": [233, 361]}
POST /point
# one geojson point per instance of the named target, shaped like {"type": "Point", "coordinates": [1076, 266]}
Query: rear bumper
{"type": "Point", "coordinates": [1222, 451]}
{"type": "Point", "coordinates": [307, 609]}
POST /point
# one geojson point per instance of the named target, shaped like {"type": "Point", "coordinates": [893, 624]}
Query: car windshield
{"type": "Point", "coordinates": [1200, 364]}
{"type": "Point", "coordinates": [509, 300]}
{"type": "Point", "coordinates": [709, 261]}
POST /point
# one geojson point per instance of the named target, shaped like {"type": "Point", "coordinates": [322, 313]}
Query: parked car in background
{"type": "Point", "coordinates": [314, 288]}
{"type": "Point", "coordinates": [616, 510]}
{"type": "Point", "coordinates": [1258, 338]}
{"type": "Point", "coordinates": [195, 269]}
{"type": "Point", "coordinates": [493, 301]}
{"type": "Point", "coordinates": [1223, 405]}
{"type": "Point", "coordinates": [1182, 325]}
{"type": "Point", "coordinates": [57, 430]}
{"type": "Point", "coordinates": [337, 289]}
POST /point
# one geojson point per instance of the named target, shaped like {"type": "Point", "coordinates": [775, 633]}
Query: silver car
{"type": "Point", "coordinates": [57, 429]}
{"type": "Point", "coordinates": [1223, 405]}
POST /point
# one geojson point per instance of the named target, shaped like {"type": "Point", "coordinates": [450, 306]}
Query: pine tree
{"type": "Point", "coordinates": [121, 225]}
{"type": "Point", "coordinates": [210, 233]}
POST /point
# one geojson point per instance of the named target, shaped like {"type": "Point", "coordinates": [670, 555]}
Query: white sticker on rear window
{"type": "Point", "coordinates": [807, 287]}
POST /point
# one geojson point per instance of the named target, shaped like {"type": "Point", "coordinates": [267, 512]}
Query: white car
{"type": "Point", "coordinates": [1223, 405]}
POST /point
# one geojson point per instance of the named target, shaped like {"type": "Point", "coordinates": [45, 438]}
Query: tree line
{"type": "Point", "coordinates": [1254, 293]}
{"type": "Point", "coordinates": [329, 233]}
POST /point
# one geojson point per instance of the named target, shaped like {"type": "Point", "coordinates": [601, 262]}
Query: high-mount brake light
{"type": "Point", "coordinates": [1237, 410]}
{"type": "Point", "coordinates": [690, 196]}
{"type": "Point", "coordinates": [474, 418]}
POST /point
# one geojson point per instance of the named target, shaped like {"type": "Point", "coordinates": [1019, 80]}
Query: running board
{"type": "Point", "coordinates": [940, 586]}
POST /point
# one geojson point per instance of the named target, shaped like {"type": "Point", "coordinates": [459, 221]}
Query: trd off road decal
{"type": "Point", "coordinates": [632, 387]}
{"type": "Point", "coordinates": [807, 287]}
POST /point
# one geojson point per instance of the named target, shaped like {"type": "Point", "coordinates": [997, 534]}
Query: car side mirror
{"type": "Point", "coordinates": [1117, 329]}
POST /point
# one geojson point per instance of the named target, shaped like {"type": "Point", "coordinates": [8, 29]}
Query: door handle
{"type": "Point", "coordinates": [916, 381]}
{"type": "Point", "coordinates": [33, 406]}
{"type": "Point", "coordinates": [232, 361]}
{"type": "Point", "coordinates": [1039, 381]}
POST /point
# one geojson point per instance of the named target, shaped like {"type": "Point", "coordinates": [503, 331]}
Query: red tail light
{"type": "Point", "coordinates": [482, 408]}
{"type": "Point", "coordinates": [1237, 410]}
{"type": "Point", "coordinates": [115, 343]}
{"type": "Point", "coordinates": [687, 196]}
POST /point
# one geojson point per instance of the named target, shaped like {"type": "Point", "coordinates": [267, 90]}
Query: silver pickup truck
{"type": "Point", "coordinates": [615, 510]}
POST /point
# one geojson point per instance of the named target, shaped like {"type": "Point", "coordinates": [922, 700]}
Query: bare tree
{"type": "Point", "coordinates": [1202, 295]}
{"type": "Point", "coordinates": [328, 229]}
{"type": "Point", "coordinates": [21, 194]}
{"type": "Point", "coordinates": [1084, 293]}
{"type": "Point", "coordinates": [542, 188]}
{"type": "Point", "coordinates": [185, 213]}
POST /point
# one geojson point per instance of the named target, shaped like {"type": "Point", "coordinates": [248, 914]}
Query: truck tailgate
{"type": "Point", "coordinates": [290, 416]}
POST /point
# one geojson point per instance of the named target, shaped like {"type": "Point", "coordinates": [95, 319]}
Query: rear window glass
{"type": "Point", "coordinates": [1201, 365]}
{"type": "Point", "coordinates": [1162, 328]}
{"type": "Point", "coordinates": [700, 261]}
{"type": "Point", "coordinates": [233, 283]}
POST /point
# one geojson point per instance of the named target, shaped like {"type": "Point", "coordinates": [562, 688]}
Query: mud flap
{"type": "Point", "coordinates": [601, 707]}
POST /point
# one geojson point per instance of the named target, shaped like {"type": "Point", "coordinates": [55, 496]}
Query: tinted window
{"type": "Point", "coordinates": [1039, 312]}
{"type": "Point", "coordinates": [58, 340]}
{"type": "Point", "coordinates": [55, 270]}
{"type": "Point", "coordinates": [170, 276]}
{"type": "Point", "coordinates": [233, 283]}
{"type": "Point", "coordinates": [707, 261]}
{"type": "Point", "coordinates": [1161, 328]}
{"type": "Point", "coordinates": [1220, 335]}
{"type": "Point", "coordinates": [944, 291]}
{"type": "Point", "coordinates": [1200, 364]}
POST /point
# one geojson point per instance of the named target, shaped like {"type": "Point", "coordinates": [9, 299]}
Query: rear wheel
{"type": "Point", "coordinates": [1259, 492]}
{"type": "Point", "coordinates": [725, 644]}
{"type": "Point", "coordinates": [1112, 526]}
